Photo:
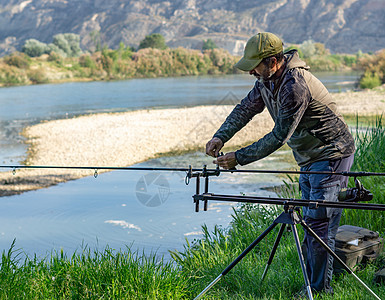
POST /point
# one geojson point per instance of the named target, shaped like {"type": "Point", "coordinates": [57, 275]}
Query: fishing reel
{"type": "Point", "coordinates": [356, 194]}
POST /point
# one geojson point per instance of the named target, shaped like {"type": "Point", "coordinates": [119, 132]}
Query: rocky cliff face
{"type": "Point", "coordinates": [342, 25]}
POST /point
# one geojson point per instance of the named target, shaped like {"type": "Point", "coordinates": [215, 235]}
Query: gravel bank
{"type": "Point", "coordinates": [123, 139]}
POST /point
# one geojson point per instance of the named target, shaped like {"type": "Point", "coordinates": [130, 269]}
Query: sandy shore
{"type": "Point", "coordinates": [123, 139]}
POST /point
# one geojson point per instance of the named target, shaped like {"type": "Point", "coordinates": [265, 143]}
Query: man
{"type": "Point", "coordinates": [305, 118]}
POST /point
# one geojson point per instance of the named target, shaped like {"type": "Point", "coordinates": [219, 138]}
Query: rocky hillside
{"type": "Point", "coordinates": [342, 25]}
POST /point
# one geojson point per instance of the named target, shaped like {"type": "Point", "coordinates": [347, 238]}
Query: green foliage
{"type": "Point", "coordinates": [350, 60]}
{"type": "Point", "coordinates": [37, 76]}
{"type": "Point", "coordinates": [374, 66]}
{"type": "Point", "coordinates": [66, 45]}
{"type": "Point", "coordinates": [369, 157]}
{"type": "Point", "coordinates": [320, 59]}
{"type": "Point", "coordinates": [369, 80]}
{"type": "Point", "coordinates": [209, 45]}
{"type": "Point", "coordinates": [123, 63]}
{"type": "Point", "coordinates": [34, 48]}
{"type": "Point", "coordinates": [124, 52]}
{"type": "Point", "coordinates": [96, 40]}
{"type": "Point", "coordinates": [308, 49]}
{"type": "Point", "coordinates": [90, 274]}
{"type": "Point", "coordinates": [55, 57]}
{"type": "Point", "coordinates": [155, 40]}
{"type": "Point", "coordinates": [320, 49]}
{"type": "Point", "coordinates": [86, 61]}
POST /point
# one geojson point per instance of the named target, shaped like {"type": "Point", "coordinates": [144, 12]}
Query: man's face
{"type": "Point", "coordinates": [262, 71]}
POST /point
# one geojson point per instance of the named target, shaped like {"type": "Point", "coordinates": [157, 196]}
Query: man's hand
{"type": "Point", "coordinates": [214, 146]}
{"type": "Point", "coordinates": [227, 161]}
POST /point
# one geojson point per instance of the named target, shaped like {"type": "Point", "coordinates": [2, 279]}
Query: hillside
{"type": "Point", "coordinates": [342, 25]}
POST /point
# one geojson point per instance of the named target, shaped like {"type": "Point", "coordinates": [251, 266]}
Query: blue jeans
{"type": "Point", "coordinates": [324, 221]}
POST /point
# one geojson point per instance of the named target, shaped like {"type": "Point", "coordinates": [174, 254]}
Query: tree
{"type": "Point", "coordinates": [308, 48]}
{"type": "Point", "coordinates": [155, 40]}
{"type": "Point", "coordinates": [69, 43]}
{"type": "Point", "coordinates": [64, 44]}
{"type": "Point", "coordinates": [209, 45]}
{"type": "Point", "coordinates": [320, 49]}
{"type": "Point", "coordinates": [34, 48]}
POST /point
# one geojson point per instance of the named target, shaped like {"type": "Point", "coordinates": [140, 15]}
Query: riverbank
{"type": "Point", "coordinates": [124, 139]}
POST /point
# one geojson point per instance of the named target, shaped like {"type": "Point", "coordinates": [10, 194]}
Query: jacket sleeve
{"type": "Point", "coordinates": [242, 113]}
{"type": "Point", "coordinates": [294, 100]}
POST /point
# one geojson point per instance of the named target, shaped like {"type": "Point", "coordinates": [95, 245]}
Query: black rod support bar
{"type": "Point", "coordinates": [285, 201]}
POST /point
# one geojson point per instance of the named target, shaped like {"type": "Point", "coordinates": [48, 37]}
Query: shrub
{"type": "Point", "coordinates": [155, 40]}
{"type": "Point", "coordinates": [374, 66]}
{"type": "Point", "coordinates": [55, 57]}
{"type": "Point", "coordinates": [370, 80]}
{"type": "Point", "coordinates": [86, 61]}
{"type": "Point", "coordinates": [34, 48]}
{"type": "Point", "coordinates": [209, 45]}
{"type": "Point", "coordinates": [37, 76]}
{"type": "Point", "coordinates": [69, 43]}
{"type": "Point", "coordinates": [10, 75]}
{"type": "Point", "coordinates": [19, 60]}
{"type": "Point", "coordinates": [66, 45]}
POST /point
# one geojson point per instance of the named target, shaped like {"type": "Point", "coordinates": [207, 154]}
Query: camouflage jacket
{"type": "Point", "coordinates": [304, 114]}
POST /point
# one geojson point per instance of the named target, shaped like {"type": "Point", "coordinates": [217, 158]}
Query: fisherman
{"type": "Point", "coordinates": [305, 118]}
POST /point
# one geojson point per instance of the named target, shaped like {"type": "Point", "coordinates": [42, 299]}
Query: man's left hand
{"type": "Point", "coordinates": [227, 161]}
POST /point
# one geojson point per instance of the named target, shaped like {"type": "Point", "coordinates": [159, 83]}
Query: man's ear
{"type": "Point", "coordinates": [273, 62]}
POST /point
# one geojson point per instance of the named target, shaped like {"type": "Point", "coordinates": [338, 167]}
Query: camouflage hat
{"type": "Point", "coordinates": [258, 47]}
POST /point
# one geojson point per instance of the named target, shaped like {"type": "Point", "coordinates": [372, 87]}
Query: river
{"type": "Point", "coordinates": [109, 209]}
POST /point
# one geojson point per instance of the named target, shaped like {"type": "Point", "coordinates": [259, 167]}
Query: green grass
{"type": "Point", "coordinates": [89, 275]}
{"type": "Point", "coordinates": [123, 274]}
{"type": "Point", "coordinates": [369, 157]}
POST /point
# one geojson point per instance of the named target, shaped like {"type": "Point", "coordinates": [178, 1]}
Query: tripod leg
{"type": "Point", "coordinates": [302, 261]}
{"type": "Point", "coordinates": [335, 256]}
{"type": "Point", "coordinates": [238, 259]}
{"type": "Point", "coordinates": [279, 236]}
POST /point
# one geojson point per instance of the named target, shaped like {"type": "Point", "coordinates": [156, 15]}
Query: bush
{"type": "Point", "coordinates": [209, 45]}
{"type": "Point", "coordinates": [34, 48]}
{"type": "Point", "coordinates": [55, 57]}
{"type": "Point", "coordinates": [69, 43]}
{"type": "Point", "coordinates": [374, 66]}
{"type": "Point", "coordinates": [37, 76]}
{"type": "Point", "coordinates": [10, 75]}
{"type": "Point", "coordinates": [86, 61]}
{"type": "Point", "coordinates": [18, 60]}
{"type": "Point", "coordinates": [66, 45]}
{"type": "Point", "coordinates": [154, 40]}
{"type": "Point", "coordinates": [370, 80]}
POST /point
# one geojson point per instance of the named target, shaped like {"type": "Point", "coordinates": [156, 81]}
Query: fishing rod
{"type": "Point", "coordinates": [190, 170]}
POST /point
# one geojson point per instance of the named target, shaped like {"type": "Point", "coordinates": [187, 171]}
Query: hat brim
{"type": "Point", "coordinates": [247, 64]}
